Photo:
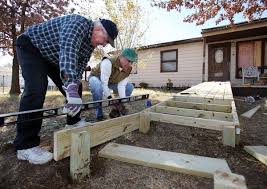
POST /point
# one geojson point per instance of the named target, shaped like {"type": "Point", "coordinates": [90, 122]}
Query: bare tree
{"type": "Point", "coordinates": [16, 15]}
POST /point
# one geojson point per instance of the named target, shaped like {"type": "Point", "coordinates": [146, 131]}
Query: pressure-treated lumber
{"type": "Point", "coordinates": [259, 152]}
{"type": "Point", "coordinates": [226, 180]}
{"type": "Point", "coordinates": [196, 99]}
{"type": "Point", "coordinates": [229, 136]}
{"type": "Point", "coordinates": [194, 113]}
{"type": "Point", "coordinates": [100, 132]}
{"type": "Point", "coordinates": [178, 162]}
{"type": "Point", "coordinates": [251, 112]}
{"type": "Point", "coordinates": [144, 122]}
{"type": "Point", "coordinates": [80, 155]}
{"type": "Point", "coordinates": [200, 106]}
{"type": "Point", "coordinates": [208, 93]}
{"type": "Point", "coordinates": [236, 123]}
{"type": "Point", "coordinates": [190, 121]}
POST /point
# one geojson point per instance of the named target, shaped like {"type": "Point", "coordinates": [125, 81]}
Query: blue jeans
{"type": "Point", "coordinates": [35, 70]}
{"type": "Point", "coordinates": [97, 92]}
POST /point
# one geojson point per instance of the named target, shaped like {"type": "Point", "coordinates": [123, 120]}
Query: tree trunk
{"type": "Point", "coordinates": [15, 87]}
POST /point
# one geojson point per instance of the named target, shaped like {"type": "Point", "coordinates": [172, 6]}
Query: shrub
{"type": "Point", "coordinates": [143, 85]}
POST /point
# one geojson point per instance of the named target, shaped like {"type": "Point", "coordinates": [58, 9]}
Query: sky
{"type": "Point", "coordinates": [165, 26]}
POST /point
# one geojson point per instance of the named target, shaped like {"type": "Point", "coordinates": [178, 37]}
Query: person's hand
{"type": "Point", "coordinates": [88, 68]}
{"type": "Point", "coordinates": [73, 105]}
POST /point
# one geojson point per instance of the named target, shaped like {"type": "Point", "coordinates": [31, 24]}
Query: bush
{"type": "Point", "coordinates": [169, 84]}
{"type": "Point", "coordinates": [143, 85]}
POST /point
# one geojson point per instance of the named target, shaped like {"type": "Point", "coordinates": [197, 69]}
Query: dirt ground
{"type": "Point", "coordinates": [109, 174]}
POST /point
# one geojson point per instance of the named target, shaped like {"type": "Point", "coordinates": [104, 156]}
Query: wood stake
{"type": "Point", "coordinates": [80, 155]}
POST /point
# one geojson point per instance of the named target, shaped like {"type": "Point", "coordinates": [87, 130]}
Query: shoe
{"type": "Point", "coordinates": [101, 118]}
{"type": "Point", "coordinates": [114, 113]}
{"type": "Point", "coordinates": [80, 123]}
{"type": "Point", "coordinates": [35, 155]}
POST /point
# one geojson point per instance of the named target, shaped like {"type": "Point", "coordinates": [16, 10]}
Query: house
{"type": "Point", "coordinates": [181, 61]}
{"type": "Point", "coordinates": [218, 55]}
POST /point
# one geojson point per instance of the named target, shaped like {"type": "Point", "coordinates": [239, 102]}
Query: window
{"type": "Point", "coordinates": [248, 54]}
{"type": "Point", "coordinates": [169, 61]}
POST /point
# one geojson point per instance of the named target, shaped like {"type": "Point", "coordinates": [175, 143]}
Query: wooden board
{"type": "Point", "coordinates": [223, 180]}
{"type": "Point", "coordinates": [200, 106]}
{"type": "Point", "coordinates": [194, 113]}
{"type": "Point", "coordinates": [236, 123]}
{"type": "Point", "coordinates": [259, 152]}
{"type": "Point", "coordinates": [251, 112]}
{"type": "Point", "coordinates": [100, 132]}
{"type": "Point", "coordinates": [190, 121]}
{"type": "Point", "coordinates": [178, 162]}
{"type": "Point", "coordinates": [207, 93]}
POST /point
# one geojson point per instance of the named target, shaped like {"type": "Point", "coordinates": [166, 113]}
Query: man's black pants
{"type": "Point", "coordinates": [35, 70]}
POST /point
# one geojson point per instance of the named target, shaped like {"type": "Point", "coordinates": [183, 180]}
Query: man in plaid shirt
{"type": "Point", "coordinates": [60, 49]}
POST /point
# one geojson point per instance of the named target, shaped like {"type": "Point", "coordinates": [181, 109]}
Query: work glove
{"type": "Point", "coordinates": [74, 100]}
{"type": "Point", "coordinates": [118, 110]}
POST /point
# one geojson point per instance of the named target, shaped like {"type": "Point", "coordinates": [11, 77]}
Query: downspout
{"type": "Point", "coordinates": [204, 64]}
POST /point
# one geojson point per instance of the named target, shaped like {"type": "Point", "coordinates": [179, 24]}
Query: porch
{"type": "Point", "coordinates": [249, 90]}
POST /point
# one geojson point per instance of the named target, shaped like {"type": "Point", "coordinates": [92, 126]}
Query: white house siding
{"type": "Point", "coordinates": [190, 59]}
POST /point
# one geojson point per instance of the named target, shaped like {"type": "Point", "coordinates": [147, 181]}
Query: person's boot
{"type": "Point", "coordinates": [124, 110]}
{"type": "Point", "coordinates": [114, 113]}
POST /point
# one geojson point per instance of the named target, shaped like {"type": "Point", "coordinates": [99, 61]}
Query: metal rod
{"type": "Point", "coordinates": [54, 112]}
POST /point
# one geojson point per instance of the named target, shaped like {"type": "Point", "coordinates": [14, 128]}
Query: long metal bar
{"type": "Point", "coordinates": [54, 112]}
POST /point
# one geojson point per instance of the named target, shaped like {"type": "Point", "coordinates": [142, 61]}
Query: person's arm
{"type": "Point", "coordinates": [71, 37]}
{"type": "Point", "coordinates": [122, 87]}
{"type": "Point", "coordinates": [105, 67]}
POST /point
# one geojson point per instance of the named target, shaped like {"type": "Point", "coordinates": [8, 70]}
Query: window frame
{"type": "Point", "coordinates": [164, 61]}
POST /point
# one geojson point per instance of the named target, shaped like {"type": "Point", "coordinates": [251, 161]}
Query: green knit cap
{"type": "Point", "coordinates": [130, 54]}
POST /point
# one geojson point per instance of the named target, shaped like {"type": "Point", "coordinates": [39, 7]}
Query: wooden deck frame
{"type": "Point", "coordinates": [208, 114]}
{"type": "Point", "coordinates": [100, 132]}
{"type": "Point", "coordinates": [209, 105]}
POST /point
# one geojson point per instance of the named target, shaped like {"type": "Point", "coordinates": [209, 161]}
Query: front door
{"type": "Point", "coordinates": [219, 62]}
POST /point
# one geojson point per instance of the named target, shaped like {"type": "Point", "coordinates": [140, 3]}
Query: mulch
{"type": "Point", "coordinates": [108, 174]}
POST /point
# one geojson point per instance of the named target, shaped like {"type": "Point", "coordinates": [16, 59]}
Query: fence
{"type": "Point", "coordinates": [5, 84]}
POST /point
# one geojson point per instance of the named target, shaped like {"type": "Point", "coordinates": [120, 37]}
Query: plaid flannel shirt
{"type": "Point", "coordinates": [65, 41]}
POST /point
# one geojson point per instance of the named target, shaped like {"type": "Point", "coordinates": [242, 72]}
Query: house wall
{"type": "Point", "coordinates": [234, 80]}
{"type": "Point", "coordinates": [190, 60]}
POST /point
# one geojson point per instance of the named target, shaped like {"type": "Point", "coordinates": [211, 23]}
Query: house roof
{"type": "Point", "coordinates": [219, 28]}
{"type": "Point", "coordinates": [184, 41]}
{"type": "Point", "coordinates": [256, 25]}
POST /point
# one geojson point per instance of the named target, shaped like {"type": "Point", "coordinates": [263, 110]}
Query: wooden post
{"type": "Point", "coordinates": [236, 123]}
{"type": "Point", "coordinates": [80, 155]}
{"type": "Point", "coordinates": [144, 122]}
{"type": "Point", "coordinates": [227, 180]}
{"type": "Point", "coordinates": [229, 136]}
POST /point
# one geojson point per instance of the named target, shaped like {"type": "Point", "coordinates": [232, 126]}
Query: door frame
{"type": "Point", "coordinates": [226, 45]}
